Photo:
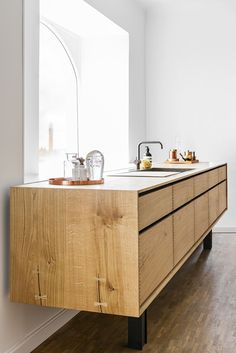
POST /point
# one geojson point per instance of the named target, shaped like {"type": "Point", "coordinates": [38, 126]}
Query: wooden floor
{"type": "Point", "coordinates": [195, 313]}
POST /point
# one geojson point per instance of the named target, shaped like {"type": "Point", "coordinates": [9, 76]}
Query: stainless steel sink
{"type": "Point", "coordinates": [179, 170]}
{"type": "Point", "coordinates": [152, 172]}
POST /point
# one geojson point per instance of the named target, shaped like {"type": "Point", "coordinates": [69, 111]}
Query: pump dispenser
{"type": "Point", "coordinates": [147, 155]}
{"type": "Point", "coordinates": [146, 162]}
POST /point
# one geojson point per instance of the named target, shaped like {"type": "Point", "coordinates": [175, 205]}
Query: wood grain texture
{"type": "Point", "coordinates": [80, 249]}
{"type": "Point", "coordinates": [213, 204]}
{"type": "Point", "coordinates": [183, 192]}
{"type": "Point", "coordinates": [75, 249]}
{"type": "Point", "coordinates": [154, 205]}
{"type": "Point", "coordinates": [213, 177]}
{"type": "Point", "coordinates": [201, 219]}
{"type": "Point", "coordinates": [156, 258]}
{"type": "Point", "coordinates": [194, 313]}
{"type": "Point", "coordinates": [201, 183]}
{"type": "Point", "coordinates": [222, 173]}
{"type": "Point", "coordinates": [183, 231]}
{"type": "Point", "coordinates": [222, 196]}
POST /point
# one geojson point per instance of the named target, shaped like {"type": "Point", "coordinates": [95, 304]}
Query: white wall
{"type": "Point", "coordinates": [191, 81]}
{"type": "Point", "coordinates": [104, 87]}
{"type": "Point", "coordinates": [17, 322]}
{"type": "Point", "coordinates": [22, 327]}
{"type": "Point", "coordinates": [103, 67]}
{"type": "Point", "coordinates": [130, 16]}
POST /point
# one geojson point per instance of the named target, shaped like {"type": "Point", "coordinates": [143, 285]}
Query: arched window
{"type": "Point", "coordinates": [58, 103]}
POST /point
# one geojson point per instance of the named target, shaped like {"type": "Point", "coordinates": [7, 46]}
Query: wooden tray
{"type": "Point", "coordinates": [182, 162]}
{"type": "Point", "coordinates": [69, 182]}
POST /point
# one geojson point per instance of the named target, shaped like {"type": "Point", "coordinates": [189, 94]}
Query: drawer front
{"type": "Point", "coordinates": [222, 197]}
{"type": "Point", "coordinates": [222, 173]}
{"type": "Point", "coordinates": [154, 206]}
{"type": "Point", "coordinates": [213, 205]}
{"type": "Point", "coordinates": [200, 184]}
{"type": "Point", "coordinates": [183, 231]}
{"type": "Point", "coordinates": [201, 206]}
{"type": "Point", "coordinates": [156, 256]}
{"type": "Point", "coordinates": [213, 177]}
{"type": "Point", "coordinates": [183, 192]}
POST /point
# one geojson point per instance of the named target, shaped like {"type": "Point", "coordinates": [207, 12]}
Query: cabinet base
{"type": "Point", "coordinates": [137, 331]}
{"type": "Point", "coordinates": [207, 242]}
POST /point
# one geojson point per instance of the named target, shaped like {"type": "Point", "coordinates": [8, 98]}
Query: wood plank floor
{"type": "Point", "coordinates": [195, 313]}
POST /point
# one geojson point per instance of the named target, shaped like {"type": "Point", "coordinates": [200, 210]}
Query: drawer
{"type": "Point", "coordinates": [183, 231]}
{"type": "Point", "coordinates": [222, 173]}
{"type": "Point", "coordinates": [222, 197]}
{"type": "Point", "coordinates": [183, 192]}
{"type": "Point", "coordinates": [153, 206]}
{"type": "Point", "coordinates": [200, 184]}
{"type": "Point", "coordinates": [213, 205]}
{"type": "Point", "coordinates": [213, 177]}
{"type": "Point", "coordinates": [201, 207]}
{"type": "Point", "coordinates": [155, 256]}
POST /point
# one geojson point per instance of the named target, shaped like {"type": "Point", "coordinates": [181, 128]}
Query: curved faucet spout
{"type": "Point", "coordinates": [146, 143]}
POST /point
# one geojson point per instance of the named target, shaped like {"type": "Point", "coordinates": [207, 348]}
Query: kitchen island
{"type": "Point", "coordinates": [111, 248]}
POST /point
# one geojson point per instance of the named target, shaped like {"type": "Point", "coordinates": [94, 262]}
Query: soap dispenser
{"type": "Point", "coordinates": [147, 155]}
{"type": "Point", "coordinates": [146, 162]}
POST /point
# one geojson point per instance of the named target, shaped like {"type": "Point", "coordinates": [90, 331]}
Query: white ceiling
{"type": "Point", "coordinates": [77, 17]}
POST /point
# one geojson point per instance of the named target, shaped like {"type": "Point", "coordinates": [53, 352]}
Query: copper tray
{"type": "Point", "coordinates": [69, 182]}
{"type": "Point", "coordinates": [182, 162]}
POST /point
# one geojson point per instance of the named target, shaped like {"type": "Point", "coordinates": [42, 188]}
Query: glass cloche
{"type": "Point", "coordinates": [95, 165]}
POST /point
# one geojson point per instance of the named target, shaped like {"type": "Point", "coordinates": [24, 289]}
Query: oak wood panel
{"type": "Point", "coordinates": [213, 204]}
{"type": "Point", "coordinates": [183, 192]}
{"type": "Point", "coordinates": [176, 268]}
{"type": "Point", "coordinates": [201, 207]}
{"type": "Point", "coordinates": [156, 256]}
{"type": "Point", "coordinates": [222, 173]}
{"type": "Point", "coordinates": [193, 315]}
{"type": "Point", "coordinates": [24, 256]}
{"type": "Point", "coordinates": [222, 197]}
{"type": "Point", "coordinates": [75, 249]}
{"type": "Point", "coordinates": [201, 183]}
{"type": "Point", "coordinates": [153, 206]}
{"type": "Point", "coordinates": [213, 177]}
{"type": "Point", "coordinates": [183, 231]}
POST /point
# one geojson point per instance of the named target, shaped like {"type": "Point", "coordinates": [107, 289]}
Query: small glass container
{"type": "Point", "coordinates": [95, 165]}
{"type": "Point", "coordinates": [71, 166]}
{"type": "Point", "coordinates": [82, 170]}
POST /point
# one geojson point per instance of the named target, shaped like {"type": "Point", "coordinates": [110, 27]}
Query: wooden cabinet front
{"type": "Point", "coordinates": [222, 173]}
{"type": "Point", "coordinates": [153, 206]}
{"type": "Point", "coordinates": [183, 192]}
{"type": "Point", "coordinates": [107, 251]}
{"type": "Point", "coordinates": [222, 197]}
{"type": "Point", "coordinates": [201, 207]}
{"type": "Point", "coordinates": [201, 184]}
{"type": "Point", "coordinates": [213, 204]}
{"type": "Point", "coordinates": [213, 177]}
{"type": "Point", "coordinates": [155, 256]}
{"type": "Point", "coordinates": [183, 231]}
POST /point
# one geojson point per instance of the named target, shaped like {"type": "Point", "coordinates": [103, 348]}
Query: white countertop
{"type": "Point", "coordinates": [138, 184]}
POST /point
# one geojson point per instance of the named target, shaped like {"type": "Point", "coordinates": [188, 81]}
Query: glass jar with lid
{"type": "Point", "coordinates": [71, 166]}
{"type": "Point", "coordinates": [95, 165]}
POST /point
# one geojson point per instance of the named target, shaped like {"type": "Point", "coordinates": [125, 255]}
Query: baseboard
{"type": "Point", "coordinates": [34, 338]}
{"type": "Point", "coordinates": [229, 230]}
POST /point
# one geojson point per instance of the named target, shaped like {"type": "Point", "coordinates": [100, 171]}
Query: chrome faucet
{"type": "Point", "coordinates": [146, 143]}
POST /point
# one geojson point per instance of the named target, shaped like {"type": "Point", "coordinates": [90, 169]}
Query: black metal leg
{"type": "Point", "coordinates": [207, 242]}
{"type": "Point", "coordinates": [137, 331]}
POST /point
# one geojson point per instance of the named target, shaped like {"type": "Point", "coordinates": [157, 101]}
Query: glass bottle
{"type": "Point", "coordinates": [70, 166]}
{"type": "Point", "coordinates": [95, 165]}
